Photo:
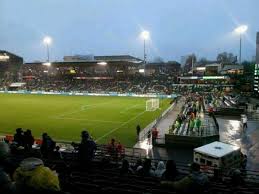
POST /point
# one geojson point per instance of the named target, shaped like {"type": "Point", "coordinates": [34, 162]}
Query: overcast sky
{"type": "Point", "coordinates": [112, 27]}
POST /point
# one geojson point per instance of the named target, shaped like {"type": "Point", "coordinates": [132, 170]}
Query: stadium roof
{"type": "Point", "coordinates": [233, 67]}
{"type": "Point", "coordinates": [106, 58]}
{"type": "Point", "coordinates": [3, 52]}
{"type": "Point", "coordinates": [116, 58]}
{"type": "Point", "coordinates": [8, 56]}
{"type": "Point", "coordinates": [81, 59]}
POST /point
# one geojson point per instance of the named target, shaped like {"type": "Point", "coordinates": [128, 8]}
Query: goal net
{"type": "Point", "coordinates": [152, 104]}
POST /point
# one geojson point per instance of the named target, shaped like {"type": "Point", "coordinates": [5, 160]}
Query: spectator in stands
{"type": "Point", "coordinates": [120, 150]}
{"type": "Point", "coordinates": [160, 169]}
{"type": "Point", "coordinates": [125, 168]}
{"type": "Point", "coordinates": [170, 172]}
{"type": "Point", "coordinates": [146, 169]}
{"type": "Point", "coordinates": [87, 148]}
{"type": "Point", "coordinates": [191, 124]}
{"type": "Point", "coordinates": [243, 161]}
{"type": "Point", "coordinates": [195, 182]}
{"type": "Point", "coordinates": [197, 123]}
{"type": "Point", "coordinates": [138, 163]}
{"type": "Point", "coordinates": [33, 177]}
{"type": "Point", "coordinates": [19, 137]}
{"type": "Point", "coordinates": [236, 177]}
{"type": "Point", "coordinates": [6, 185]}
{"type": "Point", "coordinates": [47, 146]}
{"type": "Point", "coordinates": [112, 149]}
{"type": "Point", "coordinates": [28, 139]}
{"type": "Point", "coordinates": [6, 163]}
{"type": "Point", "coordinates": [177, 124]}
{"type": "Point", "coordinates": [57, 155]}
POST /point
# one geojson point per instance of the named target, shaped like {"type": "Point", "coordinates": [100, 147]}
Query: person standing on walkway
{"type": "Point", "coordinates": [244, 121]}
{"type": "Point", "coordinates": [138, 131]}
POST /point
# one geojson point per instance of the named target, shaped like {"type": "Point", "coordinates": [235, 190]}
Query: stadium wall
{"type": "Point", "coordinates": [92, 94]}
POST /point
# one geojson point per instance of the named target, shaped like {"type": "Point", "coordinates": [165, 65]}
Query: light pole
{"type": "Point", "coordinates": [145, 36]}
{"type": "Point", "coordinates": [47, 41]}
{"type": "Point", "coordinates": [241, 30]}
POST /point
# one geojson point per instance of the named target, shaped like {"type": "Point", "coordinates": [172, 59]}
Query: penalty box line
{"type": "Point", "coordinates": [115, 129]}
{"type": "Point", "coordinates": [90, 120]}
{"type": "Point", "coordinates": [83, 108]}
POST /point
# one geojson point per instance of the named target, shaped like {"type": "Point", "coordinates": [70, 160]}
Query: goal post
{"type": "Point", "coordinates": [152, 104]}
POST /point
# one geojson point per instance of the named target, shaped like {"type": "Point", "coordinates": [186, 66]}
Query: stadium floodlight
{"type": "Point", "coordinates": [145, 35]}
{"type": "Point", "coordinates": [241, 30]}
{"type": "Point", "coordinates": [103, 63]}
{"type": "Point", "coordinates": [47, 64]}
{"type": "Point", "coordinates": [47, 40]}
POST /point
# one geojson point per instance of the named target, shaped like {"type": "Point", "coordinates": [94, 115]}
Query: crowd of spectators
{"type": "Point", "coordinates": [31, 175]}
{"type": "Point", "coordinates": [190, 114]}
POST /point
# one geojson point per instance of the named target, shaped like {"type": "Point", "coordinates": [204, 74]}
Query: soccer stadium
{"type": "Point", "coordinates": [128, 123]}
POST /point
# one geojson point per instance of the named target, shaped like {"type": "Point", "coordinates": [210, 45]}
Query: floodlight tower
{"type": "Point", "coordinates": [240, 30]}
{"type": "Point", "coordinates": [145, 36]}
{"type": "Point", "coordinates": [47, 41]}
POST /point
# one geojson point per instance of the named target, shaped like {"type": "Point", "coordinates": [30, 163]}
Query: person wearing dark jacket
{"type": "Point", "coordinates": [171, 172]}
{"type": "Point", "coordinates": [195, 182]}
{"type": "Point", "coordinates": [19, 137]}
{"type": "Point", "coordinates": [28, 139]}
{"type": "Point", "coordinates": [87, 148]}
{"type": "Point", "coordinates": [47, 146]}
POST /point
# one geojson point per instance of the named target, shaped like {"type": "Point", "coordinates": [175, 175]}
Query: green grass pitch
{"type": "Point", "coordinates": [64, 117]}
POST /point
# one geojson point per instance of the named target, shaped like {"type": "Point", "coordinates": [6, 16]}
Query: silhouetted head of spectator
{"type": "Point", "coordinates": [236, 177]}
{"type": "Point", "coordinates": [171, 166]}
{"type": "Point", "coordinates": [28, 132]}
{"type": "Point", "coordinates": [138, 163]}
{"type": "Point", "coordinates": [44, 135]}
{"type": "Point", "coordinates": [124, 167]}
{"type": "Point", "coordinates": [195, 167]}
{"type": "Point", "coordinates": [19, 131]}
{"type": "Point", "coordinates": [84, 134]}
{"type": "Point", "coordinates": [112, 141]}
{"type": "Point", "coordinates": [171, 172]}
{"type": "Point", "coordinates": [125, 164]}
{"type": "Point", "coordinates": [57, 148]}
{"type": "Point", "coordinates": [147, 164]}
{"type": "Point", "coordinates": [4, 151]}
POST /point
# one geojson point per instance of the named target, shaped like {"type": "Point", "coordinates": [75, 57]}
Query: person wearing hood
{"type": "Point", "coordinates": [33, 177]}
{"type": "Point", "coordinates": [160, 169]}
{"type": "Point", "coordinates": [6, 185]}
{"type": "Point", "coordinates": [195, 182]}
{"type": "Point", "coordinates": [170, 173]}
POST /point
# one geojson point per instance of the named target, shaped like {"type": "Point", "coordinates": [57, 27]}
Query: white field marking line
{"type": "Point", "coordinates": [90, 120]}
{"type": "Point", "coordinates": [115, 129]}
{"type": "Point", "coordinates": [131, 107]}
{"type": "Point", "coordinates": [70, 113]}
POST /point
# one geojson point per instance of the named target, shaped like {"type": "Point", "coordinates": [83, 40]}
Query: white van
{"type": "Point", "coordinates": [217, 155]}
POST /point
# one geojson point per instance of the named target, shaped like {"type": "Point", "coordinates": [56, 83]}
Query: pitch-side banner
{"type": "Point", "coordinates": [91, 94]}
